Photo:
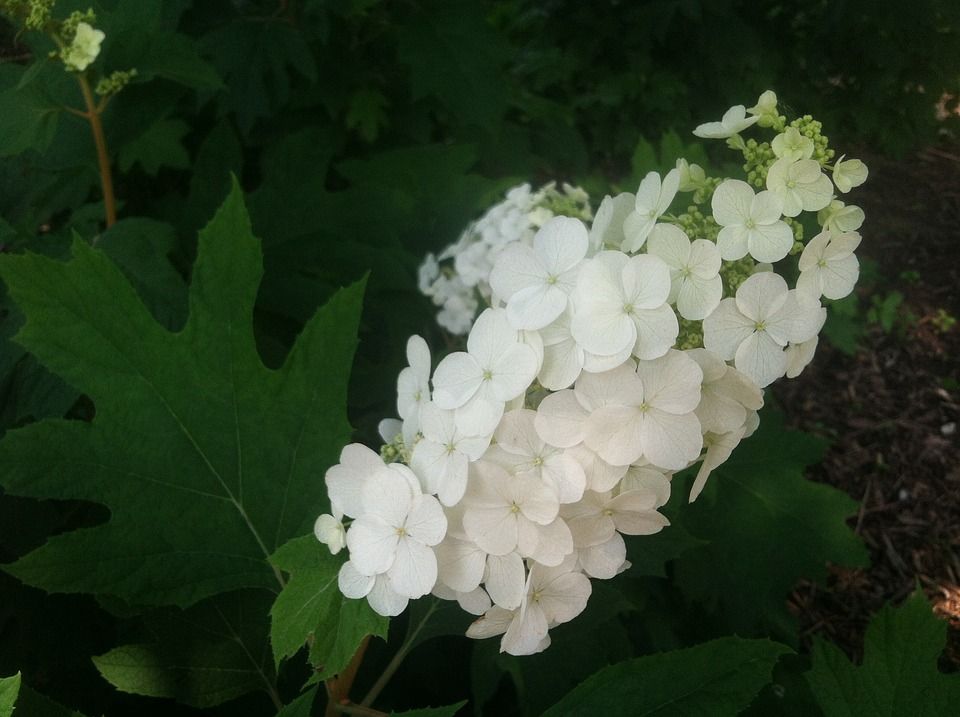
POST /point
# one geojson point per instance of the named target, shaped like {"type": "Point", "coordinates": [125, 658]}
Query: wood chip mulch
{"type": "Point", "coordinates": [892, 411]}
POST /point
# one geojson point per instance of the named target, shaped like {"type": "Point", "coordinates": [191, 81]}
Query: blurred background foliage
{"type": "Point", "coordinates": [366, 133]}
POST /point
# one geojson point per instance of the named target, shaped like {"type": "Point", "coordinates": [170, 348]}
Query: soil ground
{"type": "Point", "coordinates": [892, 411]}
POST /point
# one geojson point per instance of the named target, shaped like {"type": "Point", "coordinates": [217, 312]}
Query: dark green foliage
{"type": "Point", "coordinates": [138, 365]}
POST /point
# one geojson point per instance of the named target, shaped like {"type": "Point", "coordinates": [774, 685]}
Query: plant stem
{"type": "Point", "coordinates": [103, 158]}
{"type": "Point", "coordinates": [397, 659]}
{"type": "Point", "coordinates": [338, 688]}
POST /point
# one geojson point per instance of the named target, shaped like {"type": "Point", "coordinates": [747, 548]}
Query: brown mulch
{"type": "Point", "coordinates": [893, 410]}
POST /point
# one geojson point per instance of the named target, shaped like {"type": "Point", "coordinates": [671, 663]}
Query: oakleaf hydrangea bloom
{"type": "Point", "coordinates": [521, 466]}
{"type": "Point", "coordinates": [84, 48]}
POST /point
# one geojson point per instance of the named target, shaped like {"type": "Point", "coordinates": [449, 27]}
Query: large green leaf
{"type": "Point", "coordinates": [311, 607]}
{"type": "Point", "coordinates": [9, 689]}
{"type": "Point", "coordinates": [207, 460]}
{"type": "Point", "coordinates": [447, 711]}
{"type": "Point", "coordinates": [767, 527]}
{"type": "Point", "coordinates": [455, 56]}
{"type": "Point", "coordinates": [716, 678]}
{"type": "Point", "coordinates": [207, 654]}
{"type": "Point", "coordinates": [899, 674]}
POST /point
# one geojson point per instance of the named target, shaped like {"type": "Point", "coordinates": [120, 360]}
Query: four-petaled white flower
{"type": "Point", "coordinates": [839, 217]}
{"type": "Point", "coordinates": [751, 223]}
{"type": "Point", "coordinates": [329, 530]}
{"type": "Point", "coordinates": [754, 328]}
{"type": "Point", "coordinates": [828, 266]}
{"type": "Point", "coordinates": [765, 109]}
{"type": "Point", "coordinates": [652, 416]}
{"type": "Point", "coordinates": [441, 457]}
{"type": "Point", "coordinates": [413, 387]}
{"type": "Point", "coordinates": [726, 396]}
{"type": "Point", "coordinates": [652, 200]}
{"type": "Point", "coordinates": [621, 302]}
{"type": "Point", "coordinates": [696, 287]}
{"type": "Point", "coordinates": [394, 533]}
{"type": "Point", "coordinates": [800, 185]}
{"type": "Point", "coordinates": [792, 146]}
{"type": "Point", "coordinates": [496, 367]}
{"type": "Point", "coordinates": [734, 121]}
{"type": "Point", "coordinates": [536, 281]}
{"type": "Point", "coordinates": [595, 519]}
{"type": "Point", "coordinates": [848, 174]}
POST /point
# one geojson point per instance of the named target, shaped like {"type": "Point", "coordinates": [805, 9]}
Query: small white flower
{"type": "Point", "coordinates": [496, 366]}
{"type": "Point", "coordinates": [800, 185]}
{"type": "Point", "coordinates": [606, 232]}
{"type": "Point", "coordinates": [595, 519]}
{"type": "Point", "coordinates": [754, 328]}
{"type": "Point", "coordinates": [84, 48]}
{"type": "Point", "coordinates": [395, 532]}
{"type": "Point", "coordinates": [692, 176]}
{"type": "Point", "coordinates": [849, 174]}
{"type": "Point", "coordinates": [828, 266]}
{"type": "Point", "coordinates": [838, 217]}
{"type": "Point", "coordinates": [621, 302]}
{"type": "Point", "coordinates": [440, 458]}
{"type": "Point", "coordinates": [428, 273]}
{"type": "Point", "coordinates": [751, 223]}
{"type": "Point", "coordinates": [696, 287]}
{"type": "Point", "coordinates": [345, 481]}
{"type": "Point", "coordinates": [652, 415]}
{"type": "Point", "coordinates": [792, 146]}
{"type": "Point", "coordinates": [535, 282]}
{"type": "Point", "coordinates": [652, 200]}
{"type": "Point", "coordinates": [719, 448]}
{"type": "Point", "coordinates": [727, 395]}
{"type": "Point", "coordinates": [734, 121]}
{"type": "Point", "coordinates": [330, 531]}
{"type": "Point", "coordinates": [413, 387]}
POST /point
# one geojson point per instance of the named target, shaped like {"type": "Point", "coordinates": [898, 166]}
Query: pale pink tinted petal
{"type": "Point", "coordinates": [493, 529]}
{"type": "Point", "coordinates": [672, 382]}
{"type": "Point", "coordinates": [565, 597]}
{"type": "Point", "coordinates": [761, 358]}
{"type": "Point", "coordinates": [494, 622]}
{"type": "Point", "coordinates": [505, 580]}
{"type": "Point", "coordinates": [725, 329]}
{"type": "Point", "coordinates": [614, 433]}
{"type": "Point", "coordinates": [669, 441]}
{"type": "Point", "coordinates": [604, 561]}
{"type": "Point", "coordinates": [460, 564]}
{"type": "Point", "coordinates": [560, 418]}
{"type": "Point", "coordinates": [352, 583]}
{"type": "Point", "coordinates": [517, 434]}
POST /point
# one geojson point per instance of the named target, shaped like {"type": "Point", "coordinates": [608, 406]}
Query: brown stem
{"type": "Point", "coordinates": [338, 688]}
{"type": "Point", "coordinates": [103, 158]}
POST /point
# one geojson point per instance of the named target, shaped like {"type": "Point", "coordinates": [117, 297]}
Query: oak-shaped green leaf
{"type": "Point", "coordinates": [311, 605]}
{"type": "Point", "coordinates": [9, 689]}
{"type": "Point", "coordinates": [210, 653]}
{"type": "Point", "coordinates": [899, 674]}
{"type": "Point", "coordinates": [720, 677]}
{"type": "Point", "coordinates": [766, 527]}
{"type": "Point", "coordinates": [447, 711]}
{"type": "Point", "coordinates": [206, 459]}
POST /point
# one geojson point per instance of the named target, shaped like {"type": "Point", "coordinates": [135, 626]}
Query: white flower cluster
{"type": "Point", "coordinates": [609, 359]}
{"type": "Point", "coordinates": [458, 279]}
